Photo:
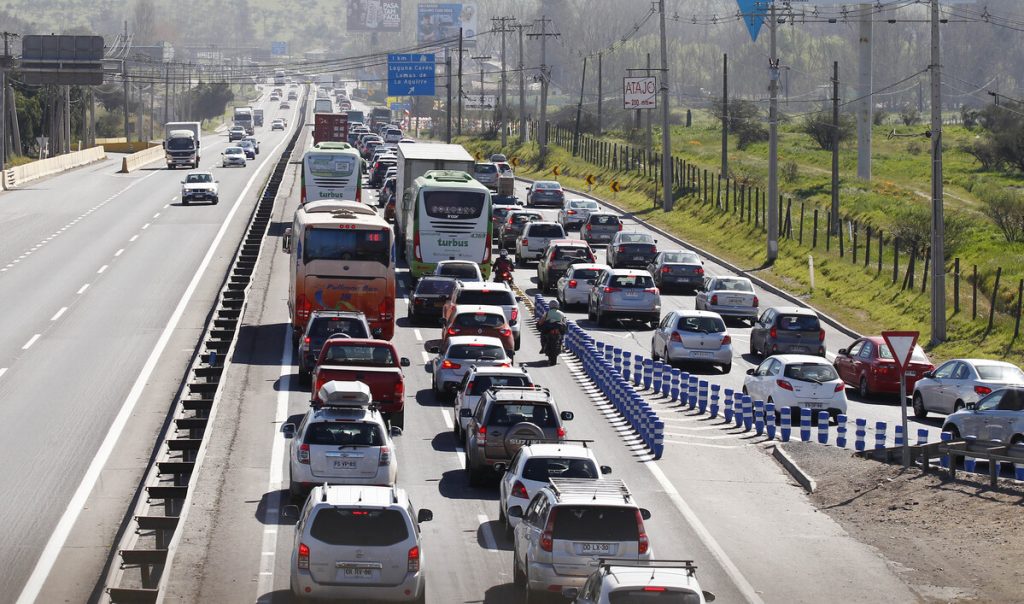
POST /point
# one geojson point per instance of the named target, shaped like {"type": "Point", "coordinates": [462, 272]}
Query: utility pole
{"type": "Point", "coordinates": [649, 141]}
{"type": "Point", "coordinates": [124, 80]}
{"type": "Point", "coordinates": [458, 127]}
{"type": "Point", "coordinates": [600, 91]}
{"type": "Point", "coordinates": [542, 136]}
{"type": "Point", "coordinates": [448, 106]}
{"type": "Point", "coordinates": [938, 259]}
{"type": "Point", "coordinates": [579, 111]}
{"type": "Point", "coordinates": [865, 106]}
{"type": "Point", "coordinates": [152, 113]}
{"type": "Point", "coordinates": [773, 142]}
{"type": "Point", "coordinates": [166, 89]}
{"type": "Point", "coordinates": [666, 135]}
{"type": "Point", "coordinates": [522, 86]}
{"type": "Point", "coordinates": [725, 115]}
{"type": "Point", "coordinates": [480, 59]}
{"type": "Point", "coordinates": [502, 26]}
{"type": "Point", "coordinates": [3, 104]}
{"type": "Point", "coordinates": [92, 116]}
{"type": "Point", "coordinates": [836, 226]}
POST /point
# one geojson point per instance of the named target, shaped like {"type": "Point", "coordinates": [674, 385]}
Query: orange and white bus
{"type": "Point", "coordinates": [342, 258]}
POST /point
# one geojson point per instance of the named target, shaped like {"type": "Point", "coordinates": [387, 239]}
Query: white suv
{"type": "Point", "coordinates": [569, 526]}
{"type": "Point", "coordinates": [359, 543]}
{"type": "Point", "coordinates": [631, 581]}
{"type": "Point", "coordinates": [479, 380]}
{"type": "Point", "coordinates": [345, 441]}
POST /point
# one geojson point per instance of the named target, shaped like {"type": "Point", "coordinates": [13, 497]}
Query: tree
{"type": "Point", "coordinates": [745, 121]}
{"type": "Point", "coordinates": [210, 100]}
{"type": "Point", "coordinates": [1004, 207]}
{"type": "Point", "coordinates": [144, 21]}
{"type": "Point", "coordinates": [819, 127]}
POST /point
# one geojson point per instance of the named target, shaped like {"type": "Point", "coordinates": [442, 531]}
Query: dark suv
{"type": "Point", "coordinates": [504, 420]}
{"type": "Point", "coordinates": [379, 169]}
{"type": "Point", "coordinates": [787, 330]}
{"type": "Point", "coordinates": [322, 325]}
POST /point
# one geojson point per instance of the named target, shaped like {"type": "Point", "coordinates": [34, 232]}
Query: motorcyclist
{"type": "Point", "coordinates": [502, 264]}
{"type": "Point", "coordinates": [553, 319]}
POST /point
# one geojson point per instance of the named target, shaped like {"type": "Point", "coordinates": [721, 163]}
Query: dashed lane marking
{"type": "Point", "coordinates": [102, 269]}
{"type": "Point", "coordinates": [82, 289]}
{"type": "Point", "coordinates": [3, 370]}
{"type": "Point", "coordinates": [134, 237]}
{"type": "Point", "coordinates": [145, 226]}
{"type": "Point", "coordinates": [31, 341]}
{"type": "Point", "coordinates": [59, 313]}
{"type": "Point", "coordinates": [419, 336]}
{"type": "Point", "coordinates": [485, 529]}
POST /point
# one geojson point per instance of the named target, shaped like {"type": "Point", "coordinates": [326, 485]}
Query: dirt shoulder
{"type": "Point", "coordinates": [949, 541]}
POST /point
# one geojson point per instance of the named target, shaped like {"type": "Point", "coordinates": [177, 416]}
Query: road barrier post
{"type": "Point", "coordinates": [786, 415]}
{"type": "Point", "coordinates": [639, 369]}
{"type": "Point", "coordinates": [727, 405]}
{"type": "Point", "coordinates": [841, 431]}
{"type": "Point", "coordinates": [626, 364]}
{"type": "Point", "coordinates": [748, 413]}
{"type": "Point", "coordinates": [770, 420]}
{"type": "Point", "coordinates": [691, 398]}
{"type": "Point", "coordinates": [666, 379]}
{"type": "Point", "coordinates": [922, 437]}
{"type": "Point", "coordinates": [899, 435]}
{"type": "Point", "coordinates": [659, 439]}
{"type": "Point", "coordinates": [659, 367]}
{"type": "Point", "coordinates": [880, 428]}
{"type": "Point", "coordinates": [715, 392]}
{"type": "Point", "coordinates": [617, 360]}
{"type": "Point", "coordinates": [737, 409]}
{"type": "Point", "coordinates": [805, 424]}
{"type": "Point", "coordinates": [823, 427]}
{"type": "Point", "coordinates": [860, 434]}
{"type": "Point", "coordinates": [759, 417]}
{"type": "Point", "coordinates": [970, 464]}
{"type": "Point", "coordinates": [702, 396]}
{"type": "Point", "coordinates": [648, 373]}
{"type": "Point", "coordinates": [674, 391]}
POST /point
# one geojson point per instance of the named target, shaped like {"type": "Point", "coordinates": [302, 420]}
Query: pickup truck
{"type": "Point", "coordinates": [375, 363]}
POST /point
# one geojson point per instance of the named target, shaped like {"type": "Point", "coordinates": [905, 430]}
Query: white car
{"type": "Point", "coordinates": [479, 380]}
{"type": "Point", "coordinates": [463, 352]}
{"type": "Point", "coordinates": [574, 285]}
{"type": "Point", "coordinates": [344, 441]}
{"type": "Point", "coordinates": [634, 581]}
{"type": "Point", "coordinates": [277, 124]}
{"type": "Point", "coordinates": [533, 467]}
{"type": "Point", "coordinates": [233, 156]}
{"type": "Point", "coordinates": [535, 239]}
{"type": "Point", "coordinates": [463, 270]}
{"type": "Point", "coordinates": [199, 186]}
{"type": "Point", "coordinates": [795, 381]}
{"type": "Point", "coordinates": [954, 384]}
{"type": "Point", "coordinates": [575, 212]}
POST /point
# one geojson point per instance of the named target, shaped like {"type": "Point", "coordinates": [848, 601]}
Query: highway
{"type": "Point", "coordinates": [715, 496]}
{"type": "Point", "coordinates": [106, 281]}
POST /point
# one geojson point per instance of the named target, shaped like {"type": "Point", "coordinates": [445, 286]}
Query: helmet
{"type": "Point", "coordinates": [553, 305]}
{"type": "Point", "coordinates": [503, 253]}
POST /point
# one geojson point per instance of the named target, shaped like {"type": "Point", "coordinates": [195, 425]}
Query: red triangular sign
{"type": "Point", "coordinates": [901, 345]}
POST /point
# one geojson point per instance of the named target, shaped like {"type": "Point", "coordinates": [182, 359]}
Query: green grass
{"type": "Point", "coordinates": [853, 294]}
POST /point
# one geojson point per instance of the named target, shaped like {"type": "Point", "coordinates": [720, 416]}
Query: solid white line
{"type": "Point", "coordinates": [118, 252]}
{"type": "Point", "coordinates": [82, 289]}
{"type": "Point", "coordinates": [3, 370]}
{"type": "Point", "coordinates": [134, 237]}
{"type": "Point", "coordinates": [59, 313]}
{"type": "Point", "coordinates": [447, 419]}
{"type": "Point", "coordinates": [419, 336]}
{"type": "Point", "coordinates": [461, 454]}
{"type": "Point", "coordinates": [102, 269]}
{"type": "Point", "coordinates": [489, 541]}
{"type": "Point", "coordinates": [145, 226]}
{"type": "Point", "coordinates": [31, 341]}
{"type": "Point", "coordinates": [744, 586]}
{"type": "Point", "coordinates": [57, 539]}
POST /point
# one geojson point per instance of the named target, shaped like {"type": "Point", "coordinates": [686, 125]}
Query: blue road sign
{"type": "Point", "coordinates": [753, 12]}
{"type": "Point", "coordinates": [410, 75]}
{"type": "Point", "coordinates": [279, 49]}
{"type": "Point", "coordinates": [401, 106]}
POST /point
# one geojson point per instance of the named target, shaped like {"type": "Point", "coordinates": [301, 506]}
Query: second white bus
{"type": "Point", "coordinates": [331, 174]}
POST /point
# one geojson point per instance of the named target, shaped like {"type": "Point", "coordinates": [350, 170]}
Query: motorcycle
{"type": "Point", "coordinates": [553, 337]}
{"type": "Point", "coordinates": [503, 276]}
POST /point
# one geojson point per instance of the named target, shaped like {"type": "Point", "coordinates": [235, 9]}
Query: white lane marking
{"type": "Point", "coordinates": [57, 539]}
{"type": "Point", "coordinates": [31, 341]}
{"type": "Point", "coordinates": [82, 289]}
{"type": "Point", "coordinates": [167, 205]}
{"type": "Point", "coordinates": [460, 453]}
{"type": "Point", "coordinates": [157, 215]}
{"type": "Point", "coordinates": [426, 357]}
{"type": "Point", "coordinates": [275, 478]}
{"type": "Point", "coordinates": [134, 237]}
{"type": "Point", "coordinates": [59, 313]}
{"type": "Point", "coordinates": [145, 226]}
{"type": "Point", "coordinates": [830, 356]}
{"type": "Point", "coordinates": [3, 370]}
{"type": "Point", "coordinates": [690, 444]}
{"type": "Point", "coordinates": [175, 198]}
{"type": "Point", "coordinates": [118, 252]}
{"type": "Point", "coordinates": [447, 419]}
{"type": "Point", "coordinates": [744, 586]}
{"type": "Point", "coordinates": [102, 269]}
{"type": "Point", "coordinates": [485, 528]}
{"type": "Point", "coordinates": [419, 336]}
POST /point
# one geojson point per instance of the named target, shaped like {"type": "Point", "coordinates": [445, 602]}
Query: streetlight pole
{"type": "Point", "coordinates": [938, 259]}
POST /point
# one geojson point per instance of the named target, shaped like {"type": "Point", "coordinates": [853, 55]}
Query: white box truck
{"type": "Point", "coordinates": [414, 159]}
{"type": "Point", "coordinates": [182, 144]}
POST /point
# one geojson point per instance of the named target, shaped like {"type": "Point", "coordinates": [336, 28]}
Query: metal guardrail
{"type": "Point", "coordinates": [139, 567]}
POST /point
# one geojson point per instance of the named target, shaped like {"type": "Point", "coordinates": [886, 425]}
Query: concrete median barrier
{"type": "Point", "coordinates": [19, 175]}
{"type": "Point", "coordinates": [130, 163]}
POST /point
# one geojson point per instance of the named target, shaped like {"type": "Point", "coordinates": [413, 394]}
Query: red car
{"type": "Point", "coordinates": [868, 366]}
{"type": "Point", "coordinates": [375, 363]}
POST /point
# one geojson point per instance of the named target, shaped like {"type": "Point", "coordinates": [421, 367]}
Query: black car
{"type": "Point", "coordinates": [427, 301]}
{"type": "Point", "coordinates": [379, 169]}
{"type": "Point", "coordinates": [545, 191]}
{"type": "Point", "coordinates": [632, 250]}
{"type": "Point", "coordinates": [387, 191]}
{"type": "Point", "coordinates": [677, 268]}
{"type": "Point", "coordinates": [322, 325]}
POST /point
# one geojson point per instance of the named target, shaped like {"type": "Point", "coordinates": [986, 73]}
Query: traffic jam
{"type": "Point", "coordinates": [385, 222]}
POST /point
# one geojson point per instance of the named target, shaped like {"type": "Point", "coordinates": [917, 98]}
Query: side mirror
{"type": "Point", "coordinates": [424, 516]}
{"type": "Point", "coordinates": [972, 406]}
{"type": "Point", "coordinates": [404, 362]}
{"type": "Point", "coordinates": [606, 469]}
{"type": "Point", "coordinates": [843, 352]}
{"type": "Point", "coordinates": [570, 593]}
{"type": "Point", "coordinates": [515, 511]}
{"type": "Point", "coordinates": [567, 416]}
{"type": "Point", "coordinates": [429, 368]}
{"type": "Point", "coordinates": [288, 430]}
{"type": "Point", "coordinates": [286, 241]}
{"type": "Point", "coordinates": [183, 182]}
{"type": "Point", "coordinates": [645, 513]}
{"type": "Point", "coordinates": [750, 371]}
{"type": "Point", "coordinates": [376, 332]}
{"type": "Point", "coordinates": [708, 596]}
{"type": "Point", "coordinates": [465, 412]}
{"type": "Point", "coordinates": [928, 374]}
{"type": "Point", "coordinates": [434, 350]}
{"type": "Point", "coordinates": [500, 468]}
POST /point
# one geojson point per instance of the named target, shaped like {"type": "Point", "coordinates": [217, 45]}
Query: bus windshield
{"type": "Point", "coordinates": [454, 205]}
{"type": "Point", "coordinates": [356, 245]}
{"type": "Point", "coordinates": [328, 165]}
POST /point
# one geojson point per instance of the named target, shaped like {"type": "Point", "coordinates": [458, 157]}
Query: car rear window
{"type": "Point", "coordinates": [510, 414]}
{"type": "Point", "coordinates": [635, 238]}
{"type": "Point", "coordinates": [681, 258]}
{"type": "Point", "coordinates": [917, 356]}
{"type": "Point", "coordinates": [458, 270]}
{"type": "Point", "coordinates": [566, 252]}
{"type": "Point", "coordinates": [999, 372]}
{"type": "Point", "coordinates": [811, 372]}
{"type": "Point", "coordinates": [701, 324]}
{"type": "Point", "coordinates": [524, 218]}
{"type": "Point", "coordinates": [483, 383]}
{"type": "Point", "coordinates": [362, 355]}
{"type": "Point", "coordinates": [494, 297]}
{"type": "Point", "coordinates": [542, 469]}
{"type": "Point", "coordinates": [798, 323]}
{"type": "Point", "coordinates": [546, 230]}
{"type": "Point", "coordinates": [604, 219]}
{"type": "Point", "coordinates": [583, 204]}
{"type": "Point", "coordinates": [359, 527]}
{"type": "Point", "coordinates": [327, 326]}
{"type": "Point", "coordinates": [357, 434]}
{"type": "Point", "coordinates": [595, 523]}
{"type": "Point", "coordinates": [476, 352]}
{"type": "Point", "coordinates": [547, 185]}
{"type": "Point", "coordinates": [642, 595]}
{"type": "Point", "coordinates": [485, 169]}
{"type": "Point", "coordinates": [501, 213]}
{"type": "Point", "coordinates": [586, 273]}
{"type": "Point", "coordinates": [632, 281]}
{"type": "Point", "coordinates": [733, 285]}
{"type": "Point", "coordinates": [479, 320]}
{"type": "Point", "coordinates": [435, 286]}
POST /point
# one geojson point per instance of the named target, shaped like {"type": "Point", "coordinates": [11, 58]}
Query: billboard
{"type": "Point", "coordinates": [640, 93]}
{"type": "Point", "coordinates": [279, 49]}
{"type": "Point", "coordinates": [67, 60]}
{"type": "Point", "coordinates": [437, 21]}
{"type": "Point", "coordinates": [374, 15]}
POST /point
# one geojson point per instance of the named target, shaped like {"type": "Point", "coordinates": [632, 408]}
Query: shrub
{"type": "Point", "coordinates": [909, 115]}
{"type": "Point", "coordinates": [879, 117]}
{"type": "Point", "coordinates": [912, 223]}
{"type": "Point", "coordinates": [1005, 208]}
{"type": "Point", "coordinates": [745, 121]}
{"type": "Point", "coordinates": [914, 148]}
{"type": "Point", "coordinates": [819, 127]}
{"type": "Point", "coordinates": [985, 151]}
{"type": "Point", "coordinates": [790, 171]}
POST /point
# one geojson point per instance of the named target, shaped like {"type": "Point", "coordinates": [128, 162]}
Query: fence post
{"type": "Point", "coordinates": [854, 242]}
{"type": "Point", "coordinates": [726, 192]}
{"type": "Point", "coordinates": [828, 231]}
{"type": "Point", "coordinates": [956, 285]}
{"type": "Point", "coordinates": [924, 275]}
{"type": "Point", "coordinates": [757, 207]}
{"type": "Point", "coordinates": [801, 223]}
{"type": "Point", "coordinates": [1020, 294]}
{"type": "Point", "coordinates": [881, 251]}
{"type": "Point", "coordinates": [789, 218]}
{"type": "Point", "coordinates": [867, 246]}
{"type": "Point", "coordinates": [704, 176]}
{"type": "Point", "coordinates": [842, 247]}
{"type": "Point", "coordinates": [974, 294]}
{"type": "Point", "coordinates": [718, 193]}
{"type": "Point", "coordinates": [995, 293]}
{"type": "Point", "coordinates": [814, 233]}
{"type": "Point", "coordinates": [895, 259]}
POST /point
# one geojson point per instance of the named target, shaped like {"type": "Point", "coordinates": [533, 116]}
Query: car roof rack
{"type": "Point", "coordinates": [613, 487]}
{"type": "Point", "coordinates": [607, 563]}
{"type": "Point", "coordinates": [557, 441]}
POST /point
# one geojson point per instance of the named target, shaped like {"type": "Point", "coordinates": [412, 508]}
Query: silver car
{"type": "Point", "coordinates": [233, 156]}
{"type": "Point", "coordinates": [575, 212]}
{"type": "Point", "coordinates": [624, 292]}
{"type": "Point", "coordinates": [600, 227]}
{"type": "Point", "coordinates": [730, 297]}
{"type": "Point", "coordinates": [693, 336]}
{"type": "Point", "coordinates": [677, 268]}
{"type": "Point", "coordinates": [999, 417]}
{"type": "Point", "coordinates": [486, 174]}
{"type": "Point", "coordinates": [955, 384]}
{"type": "Point", "coordinates": [463, 352]}
{"type": "Point", "coordinates": [574, 285]}
{"type": "Point", "coordinates": [535, 239]}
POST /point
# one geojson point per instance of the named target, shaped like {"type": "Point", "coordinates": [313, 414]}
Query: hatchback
{"type": "Point", "coordinates": [478, 320]}
{"type": "Point", "coordinates": [996, 419]}
{"type": "Point", "coordinates": [795, 381]}
{"type": "Point", "coordinates": [787, 330]}
{"type": "Point", "coordinates": [575, 212]}
{"type": "Point", "coordinates": [493, 294]}
{"type": "Point", "coordinates": [631, 250]}
{"type": "Point", "coordinates": [535, 239]}
{"type": "Point", "coordinates": [657, 581]}
{"type": "Point", "coordinates": [486, 174]}
{"type": "Point", "coordinates": [869, 367]}
{"type": "Point", "coordinates": [379, 169]}
{"type": "Point", "coordinates": [463, 352]}
{"type": "Point", "coordinates": [626, 293]}
{"type": "Point", "coordinates": [558, 257]}
{"type": "Point", "coordinates": [677, 268]}
{"type": "Point", "coordinates": [514, 225]}
{"type": "Point", "coordinates": [961, 381]}
{"type": "Point", "coordinates": [499, 214]}
{"type": "Point", "coordinates": [359, 543]}
{"type": "Point", "coordinates": [693, 336]}
{"type": "Point", "coordinates": [600, 227]}
{"type": "Point", "coordinates": [574, 285]}
{"type": "Point", "coordinates": [463, 270]}
{"type": "Point", "coordinates": [428, 299]}
{"type": "Point", "coordinates": [545, 192]}
{"type": "Point", "coordinates": [730, 297]}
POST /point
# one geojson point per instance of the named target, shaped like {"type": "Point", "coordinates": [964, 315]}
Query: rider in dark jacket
{"type": "Point", "coordinates": [554, 319]}
{"type": "Point", "coordinates": [501, 264]}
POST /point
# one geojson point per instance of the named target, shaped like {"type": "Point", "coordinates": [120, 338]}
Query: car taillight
{"type": "Point", "coordinates": [505, 365]}
{"type": "Point", "coordinates": [386, 308]}
{"type": "Point", "coordinates": [399, 390]}
{"type": "Point", "coordinates": [572, 284]}
{"type": "Point", "coordinates": [304, 454]}
{"type": "Point", "coordinates": [714, 299]}
{"type": "Point", "coordinates": [547, 537]}
{"type": "Point", "coordinates": [515, 315]}
{"type": "Point", "coordinates": [676, 337]}
{"type": "Point", "coordinates": [385, 457]}
{"type": "Point", "coordinates": [303, 307]}
{"type": "Point", "coordinates": [609, 290]}
{"type": "Point", "coordinates": [452, 331]}
{"type": "Point", "coordinates": [414, 559]}
{"type": "Point", "coordinates": [653, 588]}
{"type": "Point", "coordinates": [756, 304]}
{"type": "Point", "coordinates": [450, 365]}
{"type": "Point", "coordinates": [416, 244]}
{"type": "Point", "coordinates": [654, 249]}
{"type": "Point", "coordinates": [784, 385]}
{"type": "Point", "coordinates": [481, 436]}
{"type": "Point", "coordinates": [726, 339]}
{"type": "Point", "coordinates": [699, 271]}
{"type": "Point", "coordinates": [590, 227]}
{"type": "Point", "coordinates": [651, 290]}
{"type": "Point", "coordinates": [620, 226]}
{"type": "Point", "coordinates": [303, 560]}
{"type": "Point", "coordinates": [666, 269]}
{"type": "Point", "coordinates": [571, 212]}
{"type": "Point", "coordinates": [526, 241]}
{"type": "Point", "coordinates": [376, 165]}
{"type": "Point", "coordinates": [840, 387]}
{"type": "Point", "coordinates": [642, 543]}
{"type": "Point", "coordinates": [518, 490]}
{"type": "Point", "coordinates": [982, 390]}
{"type": "Point", "coordinates": [772, 333]}
{"type": "Point", "coordinates": [307, 340]}
{"type": "Point", "coordinates": [821, 335]}
{"type": "Point", "coordinates": [622, 249]}
{"type": "Point", "coordinates": [487, 247]}
{"type": "Point", "coordinates": [552, 257]}
{"type": "Point", "coordinates": [560, 432]}
{"type": "Point", "coordinates": [505, 332]}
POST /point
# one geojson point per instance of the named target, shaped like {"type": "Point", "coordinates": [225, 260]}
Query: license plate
{"type": "Point", "coordinates": [798, 349]}
{"type": "Point", "coordinates": [344, 464]}
{"type": "Point", "coordinates": [594, 548]}
{"type": "Point", "coordinates": [700, 355]}
{"type": "Point", "coordinates": [814, 405]}
{"type": "Point", "coordinates": [734, 301]}
{"type": "Point", "coordinates": [911, 373]}
{"type": "Point", "coordinates": [359, 574]}
{"type": "Point", "coordinates": [632, 294]}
